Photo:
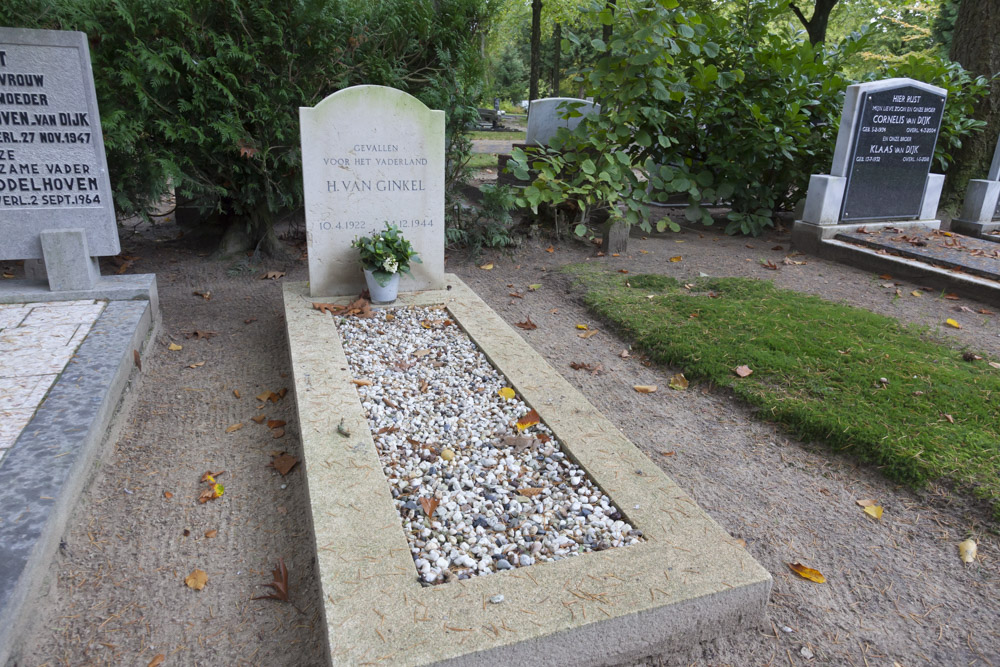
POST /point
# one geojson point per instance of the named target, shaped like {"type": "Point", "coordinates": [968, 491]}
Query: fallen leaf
{"type": "Point", "coordinates": [949, 418]}
{"type": "Point", "coordinates": [8, 276]}
{"type": "Point", "coordinates": [994, 365]}
{"type": "Point", "coordinates": [259, 419]}
{"type": "Point", "coordinates": [679, 382]}
{"type": "Point", "coordinates": [487, 267]}
{"type": "Point", "coordinates": [234, 427]}
{"type": "Point", "coordinates": [874, 510]}
{"type": "Point", "coordinates": [645, 388]}
{"type": "Point", "coordinates": [197, 364]}
{"type": "Point", "coordinates": [273, 275]}
{"type": "Point", "coordinates": [174, 347]}
{"type": "Point", "coordinates": [421, 353]}
{"type": "Point", "coordinates": [622, 270]}
{"type": "Point", "coordinates": [516, 295]}
{"type": "Point", "coordinates": [778, 247]}
{"type": "Point", "coordinates": [168, 495]}
{"type": "Point", "coordinates": [952, 323]}
{"type": "Point", "coordinates": [279, 585]}
{"type": "Point", "coordinates": [137, 359]}
{"type": "Point", "coordinates": [197, 334]}
{"type": "Point", "coordinates": [157, 660]}
{"type": "Point", "coordinates": [506, 392]}
{"type": "Point", "coordinates": [527, 324]}
{"type": "Point", "coordinates": [670, 453]}
{"type": "Point", "coordinates": [429, 505]}
{"type": "Point", "coordinates": [362, 383]}
{"type": "Point", "coordinates": [582, 326]}
{"type": "Point", "coordinates": [276, 423]}
{"type": "Point", "coordinates": [265, 396]}
{"type": "Point", "coordinates": [331, 308]}
{"type": "Point", "coordinates": [236, 393]}
{"type": "Point", "coordinates": [580, 366]}
{"type": "Point", "coordinates": [210, 476]}
{"type": "Point", "coordinates": [807, 572]}
{"type": "Point", "coordinates": [196, 580]}
{"type": "Point", "coordinates": [769, 265]}
{"type": "Point", "coordinates": [676, 259]}
{"type": "Point", "coordinates": [211, 533]}
{"type": "Point", "coordinates": [528, 420]}
{"type": "Point", "coordinates": [917, 293]}
{"type": "Point", "coordinates": [530, 491]}
{"type": "Point", "coordinates": [952, 297]}
{"type": "Point", "coordinates": [278, 433]}
{"type": "Point", "coordinates": [788, 261]}
{"type": "Point", "coordinates": [284, 463]}
{"type": "Point", "coordinates": [983, 311]}
{"type": "Point", "coordinates": [447, 453]}
{"type": "Point", "coordinates": [967, 550]}
{"type": "Point", "coordinates": [535, 287]}
{"type": "Point", "coordinates": [866, 502]}
{"type": "Point", "coordinates": [885, 276]}
{"type": "Point", "coordinates": [587, 334]}
{"type": "Point", "coordinates": [550, 249]}
{"type": "Point", "coordinates": [624, 354]}
{"type": "Point", "coordinates": [252, 319]}
{"type": "Point", "coordinates": [742, 371]}
{"type": "Point", "coordinates": [211, 493]}
{"type": "Point", "coordinates": [207, 296]}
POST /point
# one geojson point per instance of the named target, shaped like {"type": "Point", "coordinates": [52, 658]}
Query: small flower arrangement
{"type": "Point", "coordinates": [386, 254]}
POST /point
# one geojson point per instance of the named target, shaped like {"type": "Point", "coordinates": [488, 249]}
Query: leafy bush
{"type": "Point", "coordinates": [734, 109]}
{"type": "Point", "coordinates": [203, 95]}
{"type": "Point", "coordinates": [489, 226]}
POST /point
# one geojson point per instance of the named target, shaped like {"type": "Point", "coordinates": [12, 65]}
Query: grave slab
{"type": "Point", "coordinates": [943, 249]}
{"type": "Point", "coordinates": [688, 582]}
{"type": "Point", "coordinates": [372, 155]}
{"type": "Point", "coordinates": [56, 454]}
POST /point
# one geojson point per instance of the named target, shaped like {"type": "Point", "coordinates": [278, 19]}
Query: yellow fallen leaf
{"type": "Point", "coordinates": [506, 392]}
{"type": "Point", "coordinates": [197, 364]}
{"type": "Point", "coordinates": [174, 347]}
{"type": "Point", "coordinates": [196, 580]}
{"type": "Point", "coordinates": [645, 388]}
{"type": "Point", "coordinates": [967, 550]}
{"type": "Point", "coordinates": [236, 393]}
{"type": "Point", "coordinates": [952, 323]}
{"type": "Point", "coordinates": [362, 383]}
{"type": "Point", "coordinates": [212, 533]}
{"type": "Point", "coordinates": [157, 660]}
{"type": "Point", "coordinates": [917, 292]}
{"type": "Point", "coordinates": [487, 267]}
{"type": "Point", "coordinates": [588, 333]}
{"type": "Point", "coordinates": [535, 287]}
{"type": "Point", "coordinates": [528, 420]}
{"type": "Point", "coordinates": [675, 259]}
{"type": "Point", "coordinates": [234, 427]}
{"type": "Point", "coordinates": [679, 382]}
{"type": "Point", "coordinates": [259, 419]}
{"type": "Point", "coordinates": [584, 327]}
{"type": "Point", "coordinates": [447, 454]}
{"type": "Point", "coordinates": [874, 510]}
{"type": "Point", "coordinates": [807, 572]}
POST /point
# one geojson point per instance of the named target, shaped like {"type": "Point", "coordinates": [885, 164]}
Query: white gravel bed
{"type": "Point", "coordinates": [507, 496]}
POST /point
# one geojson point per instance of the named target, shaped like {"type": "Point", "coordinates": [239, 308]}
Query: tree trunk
{"type": "Point", "coordinates": [557, 46]}
{"type": "Point", "coordinates": [536, 48]}
{"type": "Point", "coordinates": [816, 26]}
{"type": "Point", "coordinates": [607, 30]}
{"type": "Point", "coordinates": [974, 45]}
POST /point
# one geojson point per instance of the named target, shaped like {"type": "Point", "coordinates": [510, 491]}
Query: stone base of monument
{"type": "Point", "coordinates": [687, 582]}
{"type": "Point", "coordinates": [808, 237]}
{"type": "Point", "coordinates": [983, 230]}
{"type": "Point", "coordinates": [57, 454]}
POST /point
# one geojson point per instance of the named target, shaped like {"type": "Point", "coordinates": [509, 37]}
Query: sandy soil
{"type": "Point", "coordinates": [896, 591]}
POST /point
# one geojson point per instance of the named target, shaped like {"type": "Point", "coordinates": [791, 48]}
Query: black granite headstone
{"type": "Point", "coordinates": [891, 153]}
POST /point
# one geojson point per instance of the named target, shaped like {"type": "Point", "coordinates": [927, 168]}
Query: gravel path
{"type": "Point", "coordinates": [895, 592]}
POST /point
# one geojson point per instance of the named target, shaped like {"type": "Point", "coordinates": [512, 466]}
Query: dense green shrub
{"type": "Point", "coordinates": [203, 95]}
{"type": "Point", "coordinates": [737, 109]}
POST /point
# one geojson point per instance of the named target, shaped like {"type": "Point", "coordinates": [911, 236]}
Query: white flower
{"type": "Point", "coordinates": [390, 264]}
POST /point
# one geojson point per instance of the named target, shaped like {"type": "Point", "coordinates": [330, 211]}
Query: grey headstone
{"type": "Point", "coordinates": [546, 116]}
{"type": "Point", "coordinates": [885, 146]}
{"type": "Point", "coordinates": [53, 172]}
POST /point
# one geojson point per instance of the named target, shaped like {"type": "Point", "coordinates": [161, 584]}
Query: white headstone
{"type": "Point", "coordinates": [53, 173]}
{"type": "Point", "coordinates": [546, 116]}
{"type": "Point", "coordinates": [371, 155]}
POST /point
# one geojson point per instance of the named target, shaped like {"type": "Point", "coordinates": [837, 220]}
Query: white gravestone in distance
{"type": "Point", "coordinates": [881, 164]}
{"type": "Point", "coordinates": [371, 155]}
{"type": "Point", "coordinates": [981, 210]}
{"type": "Point", "coordinates": [55, 194]}
{"type": "Point", "coordinates": [547, 115]}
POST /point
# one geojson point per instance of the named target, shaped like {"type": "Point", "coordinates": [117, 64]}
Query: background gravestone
{"type": "Point", "coordinates": [546, 116]}
{"type": "Point", "coordinates": [53, 172]}
{"type": "Point", "coordinates": [981, 208]}
{"type": "Point", "coordinates": [371, 154]}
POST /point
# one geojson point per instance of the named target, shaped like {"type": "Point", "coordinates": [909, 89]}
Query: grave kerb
{"type": "Point", "coordinates": [822, 215]}
{"type": "Point", "coordinates": [342, 137]}
{"type": "Point", "coordinates": [60, 102]}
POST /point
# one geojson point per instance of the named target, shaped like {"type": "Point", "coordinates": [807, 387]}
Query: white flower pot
{"type": "Point", "coordinates": [379, 294]}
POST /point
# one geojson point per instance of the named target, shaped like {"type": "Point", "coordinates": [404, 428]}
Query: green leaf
{"type": "Point", "coordinates": [580, 230]}
{"type": "Point", "coordinates": [598, 44]}
{"type": "Point", "coordinates": [588, 167]}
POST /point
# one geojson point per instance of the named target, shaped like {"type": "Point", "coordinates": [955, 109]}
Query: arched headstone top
{"type": "Point", "coordinates": [545, 117]}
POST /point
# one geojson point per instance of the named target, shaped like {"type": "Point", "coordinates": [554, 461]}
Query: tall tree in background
{"type": "Point", "coordinates": [536, 48]}
{"type": "Point", "coordinates": [816, 25]}
{"type": "Point", "coordinates": [607, 29]}
{"type": "Point", "coordinates": [556, 52]}
{"type": "Point", "coordinates": [975, 46]}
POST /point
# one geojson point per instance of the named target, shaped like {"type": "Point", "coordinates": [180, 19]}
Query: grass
{"type": "Point", "coordinates": [483, 160]}
{"type": "Point", "coordinates": [497, 136]}
{"type": "Point", "coordinates": [817, 369]}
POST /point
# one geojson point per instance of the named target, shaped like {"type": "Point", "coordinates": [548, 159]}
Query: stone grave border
{"type": "Point", "coordinates": [688, 582]}
{"type": "Point", "coordinates": [58, 452]}
{"type": "Point", "coordinates": [980, 210]}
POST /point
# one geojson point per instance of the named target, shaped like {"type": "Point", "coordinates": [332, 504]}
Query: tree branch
{"type": "Point", "coordinates": [799, 14]}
